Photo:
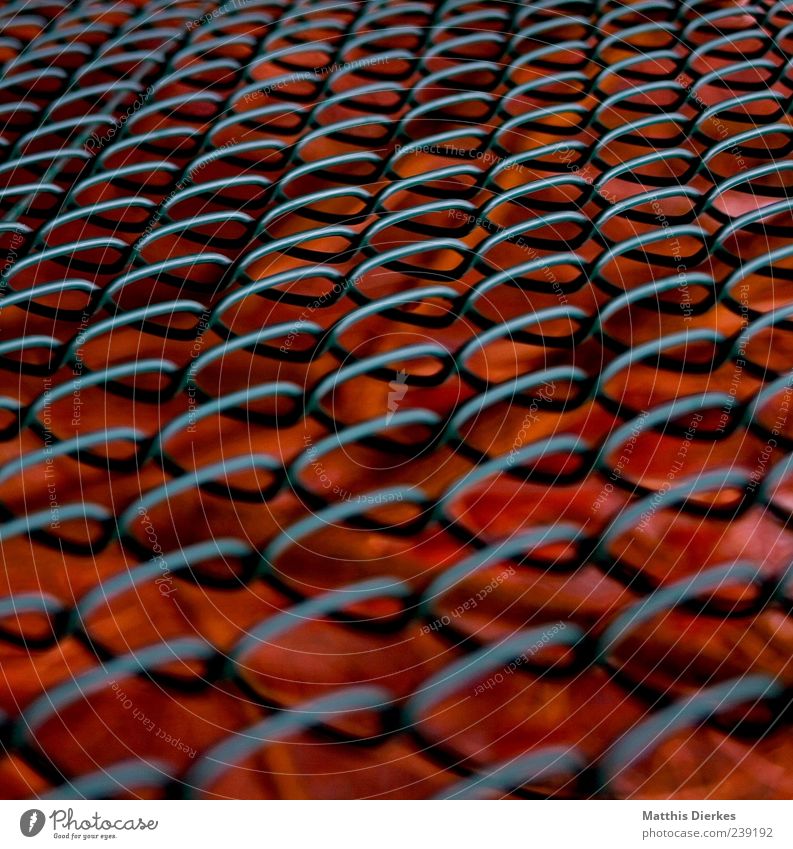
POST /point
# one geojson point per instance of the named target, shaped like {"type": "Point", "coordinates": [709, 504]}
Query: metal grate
{"type": "Point", "coordinates": [396, 399]}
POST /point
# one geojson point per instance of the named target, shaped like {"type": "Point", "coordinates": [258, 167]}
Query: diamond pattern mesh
{"type": "Point", "coordinates": [396, 399]}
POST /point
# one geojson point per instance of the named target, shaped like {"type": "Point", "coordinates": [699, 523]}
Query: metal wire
{"type": "Point", "coordinates": [450, 337]}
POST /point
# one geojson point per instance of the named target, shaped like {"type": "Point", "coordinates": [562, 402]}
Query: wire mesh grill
{"type": "Point", "coordinates": [396, 399]}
